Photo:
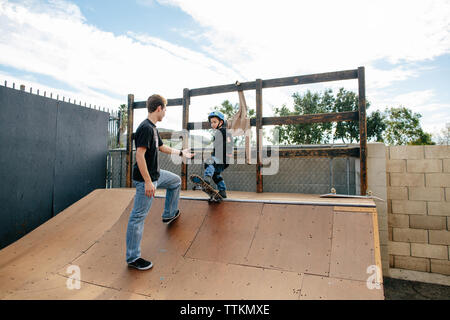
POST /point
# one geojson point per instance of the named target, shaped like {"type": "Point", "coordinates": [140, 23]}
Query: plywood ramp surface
{"type": "Point", "coordinates": [232, 250]}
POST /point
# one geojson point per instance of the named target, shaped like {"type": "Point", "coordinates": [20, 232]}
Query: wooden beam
{"type": "Point", "coordinates": [300, 152]}
{"type": "Point", "coordinates": [310, 118]}
{"type": "Point", "coordinates": [259, 136]}
{"type": "Point", "coordinates": [311, 78]}
{"type": "Point", "coordinates": [179, 135]}
{"type": "Point", "coordinates": [320, 153]}
{"type": "Point", "coordinates": [285, 120]}
{"type": "Point", "coordinates": [271, 83]}
{"type": "Point", "coordinates": [279, 82]}
{"type": "Point", "coordinates": [362, 129]}
{"type": "Point", "coordinates": [223, 89]}
{"type": "Point", "coordinates": [185, 121]}
{"type": "Point", "coordinates": [196, 125]}
{"type": "Point", "coordinates": [170, 103]}
{"type": "Point", "coordinates": [129, 156]}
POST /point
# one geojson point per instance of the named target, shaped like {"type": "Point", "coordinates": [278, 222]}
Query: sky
{"type": "Point", "coordinates": [99, 51]}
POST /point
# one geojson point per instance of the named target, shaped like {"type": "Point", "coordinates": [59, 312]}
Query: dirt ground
{"type": "Point", "coordinates": [396, 289]}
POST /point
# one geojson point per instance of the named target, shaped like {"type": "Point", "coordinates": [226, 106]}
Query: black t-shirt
{"type": "Point", "coordinates": [223, 145]}
{"type": "Point", "coordinates": [148, 136]}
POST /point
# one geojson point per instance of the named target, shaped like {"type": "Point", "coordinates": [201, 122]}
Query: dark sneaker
{"type": "Point", "coordinates": [223, 193]}
{"type": "Point", "coordinates": [169, 220]}
{"type": "Point", "coordinates": [140, 264]}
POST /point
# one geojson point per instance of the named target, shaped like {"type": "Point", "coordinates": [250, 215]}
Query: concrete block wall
{"type": "Point", "coordinates": [376, 177]}
{"type": "Point", "coordinates": [418, 191]}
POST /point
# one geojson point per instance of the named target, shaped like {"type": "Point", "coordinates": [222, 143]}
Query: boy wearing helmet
{"type": "Point", "coordinates": [222, 153]}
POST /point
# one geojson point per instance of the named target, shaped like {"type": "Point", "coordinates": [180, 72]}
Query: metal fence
{"type": "Point", "coordinates": [295, 175]}
{"type": "Point", "coordinates": [114, 130]}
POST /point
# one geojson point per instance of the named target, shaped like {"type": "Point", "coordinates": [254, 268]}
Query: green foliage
{"type": "Point", "coordinates": [348, 131]}
{"type": "Point", "coordinates": [443, 138]}
{"type": "Point", "coordinates": [314, 133]}
{"type": "Point", "coordinates": [394, 126]}
{"type": "Point", "coordinates": [123, 109]}
{"type": "Point", "coordinates": [346, 101]}
{"type": "Point", "coordinates": [403, 127]}
{"type": "Point", "coordinates": [313, 103]}
{"type": "Point", "coordinates": [376, 125]}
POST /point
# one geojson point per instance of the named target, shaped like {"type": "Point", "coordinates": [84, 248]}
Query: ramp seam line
{"type": "Point", "coordinates": [250, 266]}
{"type": "Point", "coordinates": [106, 287]}
{"type": "Point", "coordinates": [301, 286]}
{"type": "Point", "coordinates": [256, 230]}
{"type": "Point", "coordinates": [83, 252]}
{"type": "Point", "coordinates": [331, 242]}
{"type": "Point", "coordinates": [195, 237]}
{"type": "Point", "coordinates": [338, 278]}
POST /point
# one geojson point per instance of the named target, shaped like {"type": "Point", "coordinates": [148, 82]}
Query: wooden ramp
{"type": "Point", "coordinates": [252, 246]}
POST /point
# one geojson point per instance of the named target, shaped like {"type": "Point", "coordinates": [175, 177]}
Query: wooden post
{"type": "Point", "coordinates": [186, 102]}
{"type": "Point", "coordinates": [362, 129]}
{"type": "Point", "coordinates": [129, 159]}
{"type": "Point", "coordinates": [259, 137]}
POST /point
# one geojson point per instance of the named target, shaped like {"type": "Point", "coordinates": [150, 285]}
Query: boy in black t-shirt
{"type": "Point", "coordinates": [222, 154]}
{"type": "Point", "coordinates": [147, 176]}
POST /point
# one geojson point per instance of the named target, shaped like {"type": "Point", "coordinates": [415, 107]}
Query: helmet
{"type": "Point", "coordinates": [216, 114]}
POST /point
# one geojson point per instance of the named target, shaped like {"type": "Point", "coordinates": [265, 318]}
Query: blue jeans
{"type": "Point", "coordinates": [142, 205]}
{"type": "Point", "coordinates": [214, 171]}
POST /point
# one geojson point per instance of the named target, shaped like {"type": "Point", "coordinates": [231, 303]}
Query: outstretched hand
{"type": "Point", "coordinates": [187, 154]}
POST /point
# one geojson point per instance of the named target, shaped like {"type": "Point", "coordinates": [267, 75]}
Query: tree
{"type": "Point", "coordinates": [314, 133]}
{"type": "Point", "coordinates": [347, 131]}
{"type": "Point", "coordinates": [123, 109]}
{"type": "Point", "coordinates": [325, 102]}
{"type": "Point", "coordinates": [376, 125]}
{"type": "Point", "coordinates": [444, 137]}
{"type": "Point", "coordinates": [423, 139]}
{"type": "Point", "coordinates": [403, 127]}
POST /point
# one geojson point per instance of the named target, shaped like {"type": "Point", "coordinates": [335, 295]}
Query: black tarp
{"type": "Point", "coordinates": [52, 153]}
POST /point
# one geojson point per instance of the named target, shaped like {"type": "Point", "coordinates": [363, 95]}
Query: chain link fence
{"type": "Point", "coordinates": [294, 175]}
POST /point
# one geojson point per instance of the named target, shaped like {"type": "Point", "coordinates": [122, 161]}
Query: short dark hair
{"type": "Point", "coordinates": [154, 101]}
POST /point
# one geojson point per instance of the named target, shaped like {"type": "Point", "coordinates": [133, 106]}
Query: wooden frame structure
{"type": "Point", "coordinates": [259, 121]}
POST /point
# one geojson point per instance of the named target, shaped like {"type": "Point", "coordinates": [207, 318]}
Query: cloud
{"type": "Point", "coordinates": [346, 32]}
{"type": "Point", "coordinates": [435, 115]}
{"type": "Point", "coordinates": [270, 39]}
{"type": "Point", "coordinates": [53, 39]}
{"type": "Point", "coordinates": [240, 40]}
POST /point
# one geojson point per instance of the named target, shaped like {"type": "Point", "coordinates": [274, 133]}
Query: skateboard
{"type": "Point", "coordinates": [213, 194]}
